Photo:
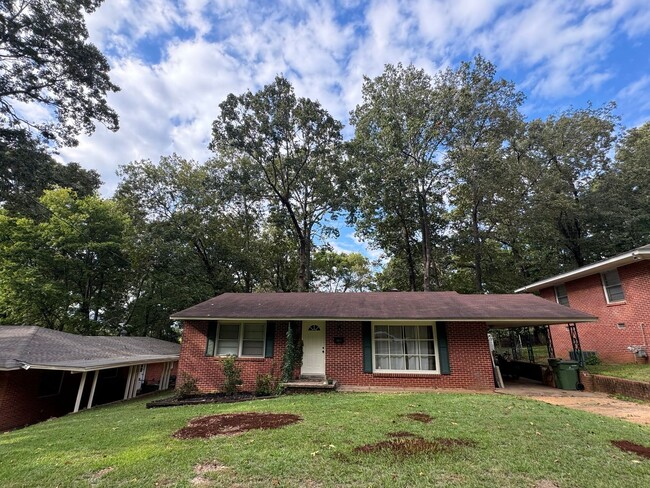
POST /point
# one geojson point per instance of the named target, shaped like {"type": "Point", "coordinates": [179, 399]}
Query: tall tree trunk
{"type": "Point", "coordinates": [478, 252]}
{"type": "Point", "coordinates": [426, 242]}
{"type": "Point", "coordinates": [409, 258]}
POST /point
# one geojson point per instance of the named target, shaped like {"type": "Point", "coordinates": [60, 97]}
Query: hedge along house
{"type": "Point", "coordinates": [390, 339]}
{"type": "Point", "coordinates": [46, 373]}
{"type": "Point", "coordinates": [617, 290]}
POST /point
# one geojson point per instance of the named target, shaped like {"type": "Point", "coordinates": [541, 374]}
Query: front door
{"type": "Point", "coordinates": [313, 348]}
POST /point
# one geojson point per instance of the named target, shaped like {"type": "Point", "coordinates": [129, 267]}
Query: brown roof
{"type": "Point", "coordinates": [40, 348]}
{"type": "Point", "coordinates": [448, 306]}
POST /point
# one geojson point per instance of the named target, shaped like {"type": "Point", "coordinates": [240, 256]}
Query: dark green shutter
{"type": "Point", "coordinates": [270, 340]}
{"type": "Point", "coordinates": [366, 335]}
{"type": "Point", "coordinates": [212, 339]}
{"type": "Point", "coordinates": [443, 348]}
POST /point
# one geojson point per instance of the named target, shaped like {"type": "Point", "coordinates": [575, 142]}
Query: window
{"type": "Point", "coordinates": [409, 348]}
{"type": "Point", "coordinates": [50, 383]}
{"type": "Point", "coordinates": [561, 296]}
{"type": "Point", "coordinates": [613, 287]}
{"type": "Point", "coordinates": [239, 339]}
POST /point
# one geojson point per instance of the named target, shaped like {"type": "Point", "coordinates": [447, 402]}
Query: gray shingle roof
{"type": "Point", "coordinates": [39, 347]}
{"type": "Point", "coordinates": [448, 306]}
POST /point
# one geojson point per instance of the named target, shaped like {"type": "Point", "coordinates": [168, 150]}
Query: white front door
{"type": "Point", "coordinates": [313, 347]}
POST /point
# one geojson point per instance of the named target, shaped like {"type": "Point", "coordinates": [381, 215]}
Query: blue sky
{"type": "Point", "coordinates": [177, 60]}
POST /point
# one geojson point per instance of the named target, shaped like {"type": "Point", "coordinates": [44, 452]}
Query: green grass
{"type": "Point", "coordinates": [636, 372]}
{"type": "Point", "coordinates": [519, 442]}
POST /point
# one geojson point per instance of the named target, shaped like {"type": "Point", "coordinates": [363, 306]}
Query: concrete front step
{"type": "Point", "coordinates": [310, 384]}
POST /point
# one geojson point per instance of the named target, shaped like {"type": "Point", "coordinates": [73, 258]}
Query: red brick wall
{"type": "Point", "coordinates": [207, 370]}
{"type": "Point", "coordinates": [469, 355]}
{"type": "Point", "coordinates": [154, 372]}
{"type": "Point", "coordinates": [587, 295]}
{"type": "Point", "coordinates": [19, 401]}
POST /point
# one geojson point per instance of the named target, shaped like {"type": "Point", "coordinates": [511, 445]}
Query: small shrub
{"type": "Point", "coordinates": [233, 375]}
{"type": "Point", "coordinates": [265, 385]}
{"type": "Point", "coordinates": [593, 360]}
{"type": "Point", "coordinates": [188, 386]}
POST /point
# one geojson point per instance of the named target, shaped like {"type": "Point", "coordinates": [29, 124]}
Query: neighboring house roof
{"type": "Point", "coordinates": [629, 257]}
{"type": "Point", "coordinates": [496, 310]}
{"type": "Point", "coordinates": [35, 347]}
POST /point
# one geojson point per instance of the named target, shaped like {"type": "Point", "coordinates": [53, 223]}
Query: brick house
{"type": "Point", "coordinates": [46, 373]}
{"type": "Point", "coordinates": [617, 291]}
{"type": "Point", "coordinates": [402, 340]}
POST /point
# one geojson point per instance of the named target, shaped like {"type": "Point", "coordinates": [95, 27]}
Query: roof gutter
{"type": "Point", "coordinates": [615, 262]}
{"type": "Point", "coordinates": [491, 320]}
{"type": "Point", "coordinates": [81, 369]}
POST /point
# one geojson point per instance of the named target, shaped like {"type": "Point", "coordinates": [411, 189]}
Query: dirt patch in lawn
{"type": "Point", "coordinates": [401, 434]}
{"type": "Point", "coordinates": [420, 417]}
{"type": "Point", "coordinates": [411, 446]}
{"type": "Point", "coordinates": [205, 468]}
{"type": "Point", "coordinates": [234, 423]}
{"type": "Point", "coordinates": [632, 447]}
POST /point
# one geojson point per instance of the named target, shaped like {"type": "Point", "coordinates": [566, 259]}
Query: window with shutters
{"type": "Point", "coordinates": [561, 295]}
{"type": "Point", "coordinates": [612, 286]}
{"type": "Point", "coordinates": [243, 339]}
{"type": "Point", "coordinates": [409, 348]}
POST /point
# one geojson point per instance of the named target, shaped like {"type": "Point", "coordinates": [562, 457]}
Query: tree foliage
{"type": "Point", "coordinates": [68, 271]}
{"type": "Point", "coordinates": [46, 59]}
{"type": "Point", "coordinates": [295, 146]}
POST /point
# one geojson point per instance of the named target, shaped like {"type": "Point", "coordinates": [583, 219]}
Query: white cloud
{"type": "Point", "coordinates": [202, 50]}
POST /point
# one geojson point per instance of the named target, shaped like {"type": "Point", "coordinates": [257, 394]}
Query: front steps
{"type": "Point", "coordinates": [309, 384]}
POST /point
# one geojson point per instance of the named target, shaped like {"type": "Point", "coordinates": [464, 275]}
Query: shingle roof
{"type": "Point", "coordinates": [39, 347]}
{"type": "Point", "coordinates": [617, 261]}
{"type": "Point", "coordinates": [447, 306]}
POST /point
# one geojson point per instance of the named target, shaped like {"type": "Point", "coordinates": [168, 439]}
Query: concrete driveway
{"type": "Point", "coordinates": [599, 403]}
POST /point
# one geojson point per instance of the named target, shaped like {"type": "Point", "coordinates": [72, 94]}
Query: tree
{"type": "Point", "coordinates": [66, 272]}
{"type": "Point", "coordinates": [295, 145]}
{"type": "Point", "coordinates": [26, 170]}
{"type": "Point", "coordinates": [619, 199]}
{"type": "Point", "coordinates": [401, 129]}
{"type": "Point", "coordinates": [485, 118]}
{"type": "Point", "coordinates": [570, 152]}
{"type": "Point", "coordinates": [342, 272]}
{"type": "Point", "coordinates": [45, 58]}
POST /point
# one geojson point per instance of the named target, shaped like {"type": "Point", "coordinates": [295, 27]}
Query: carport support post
{"type": "Point", "coordinates": [575, 343]}
{"type": "Point", "coordinates": [92, 390]}
{"type": "Point", "coordinates": [549, 342]}
{"type": "Point", "coordinates": [129, 378]}
{"type": "Point", "coordinates": [82, 383]}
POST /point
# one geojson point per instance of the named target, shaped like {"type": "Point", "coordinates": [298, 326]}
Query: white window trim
{"type": "Point", "coordinates": [620, 283]}
{"type": "Point", "coordinates": [557, 297]}
{"type": "Point", "coordinates": [406, 371]}
{"type": "Point", "coordinates": [240, 338]}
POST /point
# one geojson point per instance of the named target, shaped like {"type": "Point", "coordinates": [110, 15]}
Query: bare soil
{"type": "Point", "coordinates": [632, 447]}
{"type": "Point", "coordinates": [234, 423]}
{"type": "Point", "coordinates": [411, 446]}
{"type": "Point", "coordinates": [420, 417]}
{"type": "Point", "coordinates": [639, 413]}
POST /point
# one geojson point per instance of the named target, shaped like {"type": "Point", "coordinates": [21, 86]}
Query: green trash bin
{"type": "Point", "coordinates": [567, 375]}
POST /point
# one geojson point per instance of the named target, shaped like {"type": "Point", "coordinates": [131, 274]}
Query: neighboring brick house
{"type": "Point", "coordinates": [617, 291]}
{"type": "Point", "coordinates": [403, 340]}
{"type": "Point", "coordinates": [45, 373]}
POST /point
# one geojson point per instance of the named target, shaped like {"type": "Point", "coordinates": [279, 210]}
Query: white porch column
{"type": "Point", "coordinates": [161, 383]}
{"type": "Point", "coordinates": [134, 381]}
{"type": "Point", "coordinates": [165, 379]}
{"type": "Point", "coordinates": [82, 383]}
{"type": "Point", "coordinates": [92, 390]}
{"type": "Point", "coordinates": [129, 378]}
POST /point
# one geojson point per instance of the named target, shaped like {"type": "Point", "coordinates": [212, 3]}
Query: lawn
{"type": "Point", "coordinates": [636, 372]}
{"type": "Point", "coordinates": [511, 443]}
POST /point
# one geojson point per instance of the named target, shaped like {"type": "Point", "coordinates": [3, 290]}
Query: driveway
{"type": "Point", "coordinates": [599, 403]}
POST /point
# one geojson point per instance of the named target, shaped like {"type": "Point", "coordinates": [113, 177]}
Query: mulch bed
{"type": "Point", "coordinates": [632, 447]}
{"type": "Point", "coordinates": [420, 417]}
{"type": "Point", "coordinates": [234, 423]}
{"type": "Point", "coordinates": [411, 446]}
{"type": "Point", "coordinates": [205, 398]}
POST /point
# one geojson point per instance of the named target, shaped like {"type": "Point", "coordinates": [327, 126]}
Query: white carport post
{"type": "Point", "coordinates": [92, 390]}
{"type": "Point", "coordinates": [129, 380]}
{"type": "Point", "coordinates": [164, 380]}
{"type": "Point", "coordinates": [82, 383]}
{"type": "Point", "coordinates": [161, 383]}
{"type": "Point", "coordinates": [134, 381]}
